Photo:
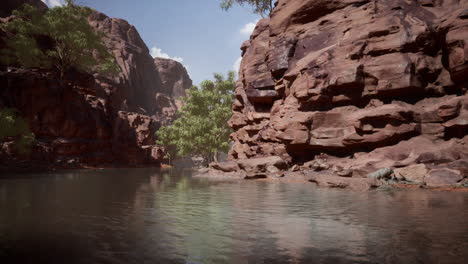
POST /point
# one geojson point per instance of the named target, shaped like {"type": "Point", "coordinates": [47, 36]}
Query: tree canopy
{"type": "Point", "coordinates": [12, 126]}
{"type": "Point", "coordinates": [201, 128]}
{"type": "Point", "coordinates": [60, 39]}
{"type": "Point", "coordinates": [261, 7]}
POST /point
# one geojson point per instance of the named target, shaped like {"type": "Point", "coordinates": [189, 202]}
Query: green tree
{"type": "Point", "coordinates": [201, 127]}
{"type": "Point", "coordinates": [12, 126]}
{"type": "Point", "coordinates": [261, 7]}
{"type": "Point", "coordinates": [74, 43]}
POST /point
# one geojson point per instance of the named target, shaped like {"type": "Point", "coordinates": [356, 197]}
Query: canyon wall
{"type": "Point", "coordinates": [369, 84]}
{"type": "Point", "coordinates": [93, 119]}
{"type": "Point", "coordinates": [174, 77]}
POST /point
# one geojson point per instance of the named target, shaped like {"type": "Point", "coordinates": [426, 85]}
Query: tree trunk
{"type": "Point", "coordinates": [215, 157]}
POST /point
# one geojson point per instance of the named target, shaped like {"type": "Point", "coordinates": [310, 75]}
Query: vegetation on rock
{"type": "Point", "coordinates": [60, 39]}
{"type": "Point", "coordinates": [12, 126]}
{"type": "Point", "coordinates": [201, 127]}
{"type": "Point", "coordinates": [261, 7]}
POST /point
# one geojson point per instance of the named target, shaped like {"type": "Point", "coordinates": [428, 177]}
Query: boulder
{"type": "Point", "coordinates": [414, 173]}
{"type": "Point", "coordinates": [256, 165]}
{"type": "Point", "coordinates": [443, 177]}
{"type": "Point", "coordinates": [228, 166]}
{"type": "Point", "coordinates": [343, 172]}
{"type": "Point", "coordinates": [317, 165]}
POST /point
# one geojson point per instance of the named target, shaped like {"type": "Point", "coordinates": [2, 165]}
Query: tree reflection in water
{"type": "Point", "coordinates": [165, 216]}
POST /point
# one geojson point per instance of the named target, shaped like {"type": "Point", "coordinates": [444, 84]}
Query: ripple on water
{"type": "Point", "coordinates": [153, 216]}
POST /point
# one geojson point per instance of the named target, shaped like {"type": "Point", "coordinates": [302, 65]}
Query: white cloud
{"type": "Point", "coordinates": [237, 65]}
{"type": "Point", "coordinates": [158, 53]}
{"type": "Point", "coordinates": [53, 3]}
{"type": "Point", "coordinates": [248, 28]}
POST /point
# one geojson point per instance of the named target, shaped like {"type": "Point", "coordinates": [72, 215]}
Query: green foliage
{"type": "Point", "coordinates": [201, 128]}
{"type": "Point", "coordinates": [12, 126]}
{"type": "Point", "coordinates": [74, 43]}
{"type": "Point", "coordinates": [261, 7]}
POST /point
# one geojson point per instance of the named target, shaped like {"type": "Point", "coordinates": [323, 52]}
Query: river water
{"type": "Point", "coordinates": [156, 216]}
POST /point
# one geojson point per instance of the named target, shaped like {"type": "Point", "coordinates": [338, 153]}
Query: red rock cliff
{"type": "Point", "coordinates": [376, 84]}
{"type": "Point", "coordinates": [93, 120]}
{"type": "Point", "coordinates": [174, 77]}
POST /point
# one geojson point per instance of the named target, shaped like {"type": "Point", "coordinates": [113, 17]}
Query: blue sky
{"type": "Point", "coordinates": [196, 32]}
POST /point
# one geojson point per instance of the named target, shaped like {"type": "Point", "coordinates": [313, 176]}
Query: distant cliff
{"type": "Point", "coordinates": [362, 84]}
{"type": "Point", "coordinates": [91, 120]}
{"type": "Point", "coordinates": [174, 77]}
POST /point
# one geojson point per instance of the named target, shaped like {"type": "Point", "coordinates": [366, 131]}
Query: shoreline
{"type": "Point", "coordinates": [319, 179]}
{"type": "Point", "coordinates": [326, 180]}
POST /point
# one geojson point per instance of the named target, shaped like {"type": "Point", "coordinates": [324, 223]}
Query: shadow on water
{"type": "Point", "coordinates": [165, 216]}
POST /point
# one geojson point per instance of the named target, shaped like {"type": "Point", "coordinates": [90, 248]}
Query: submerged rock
{"type": "Point", "coordinates": [357, 184]}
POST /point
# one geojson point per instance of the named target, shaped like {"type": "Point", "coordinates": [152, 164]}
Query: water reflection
{"type": "Point", "coordinates": [153, 216]}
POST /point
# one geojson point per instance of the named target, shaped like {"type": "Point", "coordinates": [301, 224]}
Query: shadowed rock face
{"type": "Point", "coordinates": [139, 84]}
{"type": "Point", "coordinates": [9, 5]}
{"type": "Point", "coordinates": [381, 82]}
{"type": "Point", "coordinates": [95, 119]}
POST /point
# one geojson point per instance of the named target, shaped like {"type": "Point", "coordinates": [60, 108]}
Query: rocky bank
{"type": "Point", "coordinates": [90, 119]}
{"type": "Point", "coordinates": [350, 92]}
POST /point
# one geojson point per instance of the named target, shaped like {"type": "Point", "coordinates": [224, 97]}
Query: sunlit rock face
{"type": "Point", "coordinates": [376, 83]}
{"type": "Point", "coordinates": [94, 119]}
{"type": "Point", "coordinates": [174, 77]}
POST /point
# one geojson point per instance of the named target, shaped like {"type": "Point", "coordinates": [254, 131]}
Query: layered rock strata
{"type": "Point", "coordinates": [96, 120]}
{"type": "Point", "coordinates": [367, 84]}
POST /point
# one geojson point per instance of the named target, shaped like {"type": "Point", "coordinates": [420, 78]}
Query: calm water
{"type": "Point", "coordinates": [152, 216]}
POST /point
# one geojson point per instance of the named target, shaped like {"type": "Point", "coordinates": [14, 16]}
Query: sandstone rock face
{"type": "Point", "coordinates": [414, 173]}
{"type": "Point", "coordinates": [95, 119]}
{"type": "Point", "coordinates": [174, 77]}
{"type": "Point", "coordinates": [138, 88]}
{"type": "Point", "coordinates": [376, 84]}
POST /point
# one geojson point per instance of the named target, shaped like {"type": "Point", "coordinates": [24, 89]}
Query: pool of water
{"type": "Point", "coordinates": [166, 216]}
